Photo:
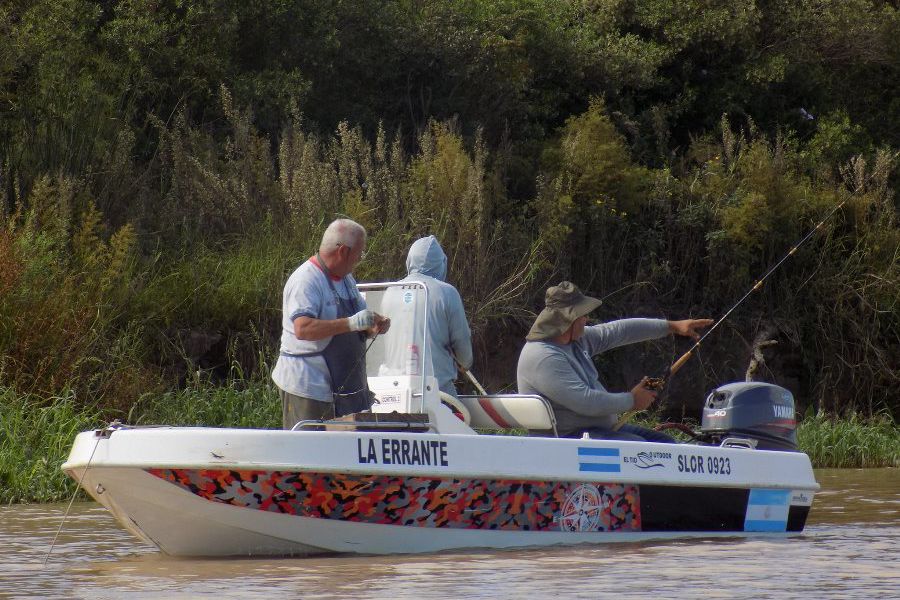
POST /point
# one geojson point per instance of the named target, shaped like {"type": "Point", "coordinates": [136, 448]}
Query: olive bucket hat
{"type": "Point", "coordinates": [563, 304]}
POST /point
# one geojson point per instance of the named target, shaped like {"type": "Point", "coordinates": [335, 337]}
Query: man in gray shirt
{"type": "Point", "coordinates": [557, 363]}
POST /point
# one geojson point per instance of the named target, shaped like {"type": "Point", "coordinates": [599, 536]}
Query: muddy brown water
{"type": "Point", "coordinates": [850, 549]}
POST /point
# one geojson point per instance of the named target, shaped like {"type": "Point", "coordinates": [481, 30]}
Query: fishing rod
{"type": "Point", "coordinates": [657, 383]}
{"type": "Point", "coordinates": [478, 387]}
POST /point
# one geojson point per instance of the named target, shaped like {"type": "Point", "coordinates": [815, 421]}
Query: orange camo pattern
{"type": "Point", "coordinates": [507, 505]}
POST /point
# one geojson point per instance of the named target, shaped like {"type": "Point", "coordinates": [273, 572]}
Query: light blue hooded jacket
{"type": "Point", "coordinates": [448, 329]}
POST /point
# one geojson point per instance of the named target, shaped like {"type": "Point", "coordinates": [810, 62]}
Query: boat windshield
{"type": "Point", "coordinates": [404, 349]}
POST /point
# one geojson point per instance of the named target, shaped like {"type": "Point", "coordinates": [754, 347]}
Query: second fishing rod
{"type": "Point", "coordinates": [657, 383]}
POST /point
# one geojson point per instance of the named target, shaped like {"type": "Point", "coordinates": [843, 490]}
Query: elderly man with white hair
{"type": "Point", "coordinates": [321, 372]}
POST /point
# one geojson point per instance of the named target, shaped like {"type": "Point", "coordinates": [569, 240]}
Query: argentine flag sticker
{"type": "Point", "coordinates": [599, 460]}
{"type": "Point", "coordinates": [767, 510]}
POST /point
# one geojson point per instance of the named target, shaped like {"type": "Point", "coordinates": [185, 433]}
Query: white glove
{"type": "Point", "coordinates": [364, 319]}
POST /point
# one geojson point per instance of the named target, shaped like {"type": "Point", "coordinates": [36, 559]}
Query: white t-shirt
{"type": "Point", "coordinates": [307, 294]}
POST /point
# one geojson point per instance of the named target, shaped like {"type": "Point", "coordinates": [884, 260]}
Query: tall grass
{"type": "Point", "coordinates": [113, 314]}
{"type": "Point", "coordinates": [35, 438]}
{"type": "Point", "coordinates": [36, 434]}
{"type": "Point", "coordinates": [254, 405]}
{"type": "Point", "coordinates": [851, 442]}
{"type": "Point", "coordinates": [124, 314]}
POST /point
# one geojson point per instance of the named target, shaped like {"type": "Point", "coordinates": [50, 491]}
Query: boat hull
{"type": "Point", "coordinates": [196, 492]}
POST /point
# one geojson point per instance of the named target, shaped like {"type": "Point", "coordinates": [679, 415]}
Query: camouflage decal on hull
{"type": "Point", "coordinates": [508, 505]}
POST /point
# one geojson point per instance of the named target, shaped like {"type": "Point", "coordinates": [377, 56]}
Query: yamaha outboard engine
{"type": "Point", "coordinates": [761, 413]}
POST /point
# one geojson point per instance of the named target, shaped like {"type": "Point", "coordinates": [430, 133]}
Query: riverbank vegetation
{"type": "Point", "coordinates": [850, 442]}
{"type": "Point", "coordinates": [35, 437]}
{"type": "Point", "coordinates": [165, 165]}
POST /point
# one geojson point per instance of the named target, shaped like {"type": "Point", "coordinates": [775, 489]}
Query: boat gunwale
{"type": "Point", "coordinates": [100, 461]}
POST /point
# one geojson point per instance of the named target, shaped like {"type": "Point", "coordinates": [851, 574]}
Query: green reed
{"type": "Point", "coordinates": [36, 434]}
{"type": "Point", "coordinates": [236, 404]}
{"type": "Point", "coordinates": [850, 442]}
{"type": "Point", "coordinates": [35, 438]}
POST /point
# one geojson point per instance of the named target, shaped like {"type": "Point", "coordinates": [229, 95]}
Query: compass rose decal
{"type": "Point", "coordinates": [582, 509]}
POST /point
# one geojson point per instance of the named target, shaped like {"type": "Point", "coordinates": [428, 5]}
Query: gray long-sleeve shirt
{"type": "Point", "coordinates": [566, 375]}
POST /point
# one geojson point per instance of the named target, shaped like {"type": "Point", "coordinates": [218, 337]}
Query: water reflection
{"type": "Point", "coordinates": [849, 549]}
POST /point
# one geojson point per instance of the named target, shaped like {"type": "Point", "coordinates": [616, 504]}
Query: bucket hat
{"type": "Point", "coordinates": [563, 304]}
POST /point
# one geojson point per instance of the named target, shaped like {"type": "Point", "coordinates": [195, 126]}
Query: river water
{"type": "Point", "coordinates": [850, 549]}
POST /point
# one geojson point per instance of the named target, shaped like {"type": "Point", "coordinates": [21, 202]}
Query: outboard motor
{"type": "Point", "coordinates": [759, 412]}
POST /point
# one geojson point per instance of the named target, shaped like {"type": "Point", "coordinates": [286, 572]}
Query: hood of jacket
{"type": "Point", "coordinates": [426, 257]}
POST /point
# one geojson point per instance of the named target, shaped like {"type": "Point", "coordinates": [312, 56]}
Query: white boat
{"type": "Point", "coordinates": [415, 477]}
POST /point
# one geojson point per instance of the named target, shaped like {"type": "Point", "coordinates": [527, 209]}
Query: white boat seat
{"type": "Point", "coordinates": [510, 411]}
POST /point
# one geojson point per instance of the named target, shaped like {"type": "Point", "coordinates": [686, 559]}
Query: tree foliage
{"type": "Point", "coordinates": [164, 163]}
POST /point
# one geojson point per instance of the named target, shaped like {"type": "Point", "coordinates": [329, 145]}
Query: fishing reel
{"type": "Point", "coordinates": [655, 383]}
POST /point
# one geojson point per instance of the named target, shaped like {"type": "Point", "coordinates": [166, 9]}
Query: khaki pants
{"type": "Point", "coordinates": [297, 408]}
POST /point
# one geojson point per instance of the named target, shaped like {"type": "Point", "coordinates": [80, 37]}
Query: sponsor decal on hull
{"type": "Point", "coordinates": [801, 498]}
{"type": "Point", "coordinates": [648, 460]}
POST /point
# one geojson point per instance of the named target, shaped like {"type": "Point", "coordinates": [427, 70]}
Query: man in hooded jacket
{"type": "Point", "coordinates": [449, 336]}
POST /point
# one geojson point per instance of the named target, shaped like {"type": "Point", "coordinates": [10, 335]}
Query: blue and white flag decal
{"type": "Point", "coordinates": [599, 460]}
{"type": "Point", "coordinates": [767, 510]}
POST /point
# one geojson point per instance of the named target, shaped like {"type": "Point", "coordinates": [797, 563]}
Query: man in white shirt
{"type": "Point", "coordinates": [321, 371]}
